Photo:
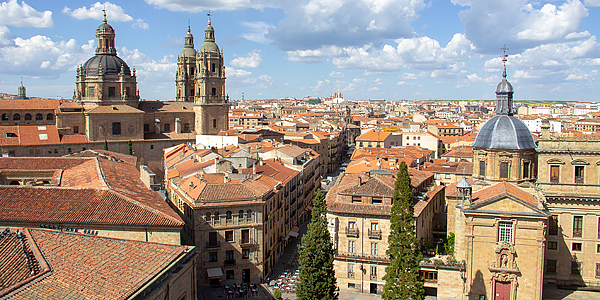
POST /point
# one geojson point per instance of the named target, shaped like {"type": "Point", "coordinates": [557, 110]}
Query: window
{"type": "Point", "coordinates": [550, 265]}
{"type": "Point", "coordinates": [576, 246]}
{"type": "Point", "coordinates": [597, 270]}
{"type": "Point", "coordinates": [16, 117]}
{"type": "Point", "coordinates": [575, 267]}
{"type": "Point", "coordinates": [553, 225]}
{"type": "Point", "coordinates": [167, 127]}
{"type": "Point", "coordinates": [351, 225]}
{"type": "Point", "coordinates": [598, 227]}
{"type": "Point", "coordinates": [598, 248]}
{"type": "Point", "coordinates": [579, 174]}
{"type": "Point", "coordinates": [228, 215]}
{"type": "Point", "coordinates": [526, 169]}
{"type": "Point", "coordinates": [186, 127]}
{"type": "Point", "coordinates": [229, 274]}
{"type": "Point", "coordinates": [350, 270]}
{"type": "Point", "coordinates": [229, 235]}
{"type": "Point", "coordinates": [229, 254]}
{"type": "Point", "coordinates": [39, 117]}
{"type": "Point", "coordinates": [213, 68]}
{"type": "Point", "coordinates": [27, 117]}
{"type": "Point", "coordinates": [91, 91]}
{"type": "Point", "coordinates": [373, 248]}
{"type": "Point", "coordinates": [111, 91]}
{"type": "Point", "coordinates": [4, 117]}
{"type": "Point", "coordinates": [116, 128]}
{"type": "Point", "coordinates": [577, 226]}
{"type": "Point", "coordinates": [216, 216]}
{"type": "Point", "coordinates": [245, 253]}
{"type": "Point", "coordinates": [146, 127]}
{"type": "Point", "coordinates": [554, 174]}
{"type": "Point", "coordinates": [430, 276]}
{"type": "Point", "coordinates": [245, 236]}
{"type": "Point", "coordinates": [75, 129]}
{"type": "Point", "coordinates": [482, 168]}
{"type": "Point", "coordinates": [505, 230]}
{"type": "Point", "coordinates": [504, 170]}
{"type": "Point", "coordinates": [374, 226]}
{"type": "Point", "coordinates": [240, 214]}
{"type": "Point", "coordinates": [377, 200]}
{"type": "Point", "coordinates": [351, 246]}
{"type": "Point", "coordinates": [248, 214]}
{"type": "Point", "coordinates": [207, 217]}
{"type": "Point", "coordinates": [356, 199]}
{"type": "Point", "coordinates": [213, 91]}
{"type": "Point", "coordinates": [373, 272]}
{"type": "Point", "coordinates": [213, 256]}
{"type": "Point", "coordinates": [552, 245]}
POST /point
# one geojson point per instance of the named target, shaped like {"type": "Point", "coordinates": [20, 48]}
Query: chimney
{"type": "Point", "coordinates": [157, 125]}
{"type": "Point", "coordinates": [177, 125]}
{"type": "Point", "coordinates": [254, 168]}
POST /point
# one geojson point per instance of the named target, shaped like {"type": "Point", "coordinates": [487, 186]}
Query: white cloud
{"type": "Point", "coordinates": [148, 69]}
{"type": "Point", "coordinates": [404, 83]}
{"type": "Point", "coordinates": [6, 38]}
{"type": "Point", "coordinates": [592, 3]}
{"type": "Point", "coordinates": [552, 23]}
{"type": "Point", "coordinates": [314, 55]}
{"type": "Point", "coordinates": [408, 76]}
{"type": "Point", "coordinates": [113, 12]}
{"type": "Point", "coordinates": [252, 59]}
{"type": "Point", "coordinates": [257, 32]}
{"type": "Point", "coordinates": [237, 77]}
{"type": "Point", "coordinates": [336, 74]}
{"type": "Point", "coordinates": [205, 5]}
{"type": "Point", "coordinates": [521, 24]}
{"type": "Point", "coordinates": [139, 23]}
{"type": "Point", "coordinates": [39, 56]}
{"type": "Point", "coordinates": [13, 14]}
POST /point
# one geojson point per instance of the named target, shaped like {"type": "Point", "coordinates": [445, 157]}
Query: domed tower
{"type": "Point", "coordinates": [105, 79]}
{"type": "Point", "coordinates": [210, 102]}
{"type": "Point", "coordinates": [504, 149]}
{"type": "Point", "coordinates": [186, 70]}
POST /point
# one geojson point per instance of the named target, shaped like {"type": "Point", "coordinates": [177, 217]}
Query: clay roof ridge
{"type": "Point", "coordinates": [145, 207]}
{"type": "Point", "coordinates": [101, 172]}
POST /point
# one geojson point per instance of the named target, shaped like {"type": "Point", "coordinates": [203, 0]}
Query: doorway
{"type": "Point", "coordinates": [373, 288]}
{"type": "Point", "coordinates": [502, 290]}
{"type": "Point", "coordinates": [246, 275]}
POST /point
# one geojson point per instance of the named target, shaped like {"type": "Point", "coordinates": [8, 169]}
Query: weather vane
{"type": "Point", "coordinates": [505, 55]}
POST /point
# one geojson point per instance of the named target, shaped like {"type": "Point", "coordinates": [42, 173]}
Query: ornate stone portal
{"type": "Point", "coordinates": [504, 270]}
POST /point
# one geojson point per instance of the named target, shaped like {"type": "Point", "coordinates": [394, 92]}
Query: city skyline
{"type": "Point", "coordinates": [366, 50]}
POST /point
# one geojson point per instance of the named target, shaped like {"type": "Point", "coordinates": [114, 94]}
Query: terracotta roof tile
{"type": "Point", "coordinates": [503, 189]}
{"type": "Point", "coordinates": [89, 267]}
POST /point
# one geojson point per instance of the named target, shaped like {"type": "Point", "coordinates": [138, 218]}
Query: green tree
{"type": "Point", "coordinates": [130, 147]}
{"type": "Point", "coordinates": [317, 277]}
{"type": "Point", "coordinates": [402, 277]}
{"type": "Point", "coordinates": [105, 145]}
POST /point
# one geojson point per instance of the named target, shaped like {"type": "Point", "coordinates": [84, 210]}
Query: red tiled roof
{"type": "Point", "coordinates": [90, 267]}
{"type": "Point", "coordinates": [29, 104]}
{"type": "Point", "coordinates": [503, 189]}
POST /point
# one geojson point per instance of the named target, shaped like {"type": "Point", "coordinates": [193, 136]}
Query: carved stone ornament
{"type": "Point", "coordinates": [505, 259]}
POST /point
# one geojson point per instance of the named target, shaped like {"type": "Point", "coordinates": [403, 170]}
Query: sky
{"type": "Point", "coordinates": [365, 49]}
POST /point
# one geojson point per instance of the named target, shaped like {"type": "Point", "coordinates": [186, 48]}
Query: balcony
{"type": "Point", "coordinates": [579, 179]}
{"type": "Point", "coordinates": [362, 257]}
{"type": "Point", "coordinates": [350, 274]}
{"type": "Point", "coordinates": [375, 234]}
{"type": "Point", "coordinates": [246, 242]}
{"type": "Point", "coordinates": [373, 277]}
{"type": "Point", "coordinates": [212, 245]}
{"type": "Point", "coordinates": [229, 262]}
{"type": "Point", "coordinates": [352, 232]}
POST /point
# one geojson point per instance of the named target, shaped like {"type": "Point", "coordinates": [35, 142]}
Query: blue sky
{"type": "Point", "coordinates": [366, 49]}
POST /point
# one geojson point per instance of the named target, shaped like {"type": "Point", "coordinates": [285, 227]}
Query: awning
{"type": "Point", "coordinates": [294, 231]}
{"type": "Point", "coordinates": [214, 272]}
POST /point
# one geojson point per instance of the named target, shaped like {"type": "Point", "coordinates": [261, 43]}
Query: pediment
{"type": "Point", "coordinates": [556, 161]}
{"type": "Point", "coordinates": [580, 162]}
{"type": "Point", "coordinates": [505, 203]}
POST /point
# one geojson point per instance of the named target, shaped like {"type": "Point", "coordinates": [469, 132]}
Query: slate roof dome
{"type": "Point", "coordinates": [504, 132]}
{"type": "Point", "coordinates": [111, 65]}
{"type": "Point", "coordinates": [504, 86]}
{"type": "Point", "coordinates": [188, 46]}
{"type": "Point", "coordinates": [105, 27]}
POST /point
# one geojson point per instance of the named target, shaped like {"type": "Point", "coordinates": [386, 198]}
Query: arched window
{"type": "Point", "coordinates": [49, 117]}
{"type": "Point", "coordinates": [39, 117]}
{"type": "Point", "coordinates": [207, 218]}
{"type": "Point", "coordinates": [27, 117]}
{"type": "Point", "coordinates": [241, 214]}
{"type": "Point", "coordinates": [4, 117]}
{"type": "Point", "coordinates": [16, 117]}
{"type": "Point", "coordinates": [249, 214]}
{"type": "Point", "coordinates": [216, 216]}
{"type": "Point", "coordinates": [14, 182]}
{"type": "Point", "coordinates": [228, 215]}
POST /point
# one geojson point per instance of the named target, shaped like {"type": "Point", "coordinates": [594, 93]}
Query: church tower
{"type": "Point", "coordinates": [105, 79]}
{"type": "Point", "coordinates": [504, 149]}
{"type": "Point", "coordinates": [210, 101]}
{"type": "Point", "coordinates": [186, 70]}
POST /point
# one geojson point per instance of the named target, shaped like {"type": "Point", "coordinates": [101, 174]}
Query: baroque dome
{"type": "Point", "coordinates": [504, 132]}
{"type": "Point", "coordinates": [111, 65]}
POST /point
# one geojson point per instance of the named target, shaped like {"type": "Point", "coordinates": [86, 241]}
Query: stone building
{"type": "Point", "coordinates": [569, 177]}
{"type": "Point", "coordinates": [358, 214]}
